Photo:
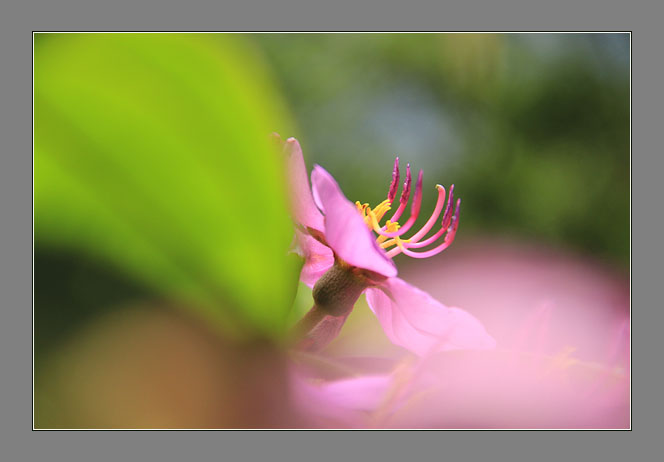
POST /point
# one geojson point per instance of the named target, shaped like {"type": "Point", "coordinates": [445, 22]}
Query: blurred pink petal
{"type": "Point", "coordinates": [348, 392]}
{"type": "Point", "coordinates": [563, 326]}
{"type": "Point", "coordinates": [318, 258]}
{"type": "Point", "coordinates": [304, 209]}
{"type": "Point", "coordinates": [345, 230]}
{"type": "Point", "coordinates": [340, 403]}
{"type": "Point", "coordinates": [412, 319]}
{"type": "Point", "coordinates": [587, 301]}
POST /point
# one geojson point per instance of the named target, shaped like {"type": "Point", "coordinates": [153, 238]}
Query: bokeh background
{"type": "Point", "coordinates": [163, 288]}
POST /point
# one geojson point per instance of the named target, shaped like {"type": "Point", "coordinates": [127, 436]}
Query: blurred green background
{"type": "Point", "coordinates": [532, 128]}
{"type": "Point", "coordinates": [155, 178]}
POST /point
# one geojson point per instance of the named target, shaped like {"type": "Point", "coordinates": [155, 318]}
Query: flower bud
{"type": "Point", "coordinates": [337, 290]}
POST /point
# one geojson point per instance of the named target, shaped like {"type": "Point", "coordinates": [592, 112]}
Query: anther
{"type": "Point", "coordinates": [394, 185]}
{"type": "Point", "coordinates": [447, 216]}
{"type": "Point", "coordinates": [405, 195]}
{"type": "Point", "coordinates": [414, 212]}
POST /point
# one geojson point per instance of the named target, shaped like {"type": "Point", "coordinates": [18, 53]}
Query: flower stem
{"type": "Point", "coordinates": [317, 329]}
{"type": "Point", "coordinates": [334, 295]}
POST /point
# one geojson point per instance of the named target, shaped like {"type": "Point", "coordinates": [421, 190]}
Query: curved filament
{"type": "Point", "coordinates": [434, 216]}
{"type": "Point", "coordinates": [443, 229]}
{"type": "Point", "coordinates": [403, 247]}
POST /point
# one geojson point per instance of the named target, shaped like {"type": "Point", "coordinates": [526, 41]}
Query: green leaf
{"type": "Point", "coordinates": [152, 152]}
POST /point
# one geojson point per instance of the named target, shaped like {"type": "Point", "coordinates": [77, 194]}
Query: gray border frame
{"type": "Point", "coordinates": [19, 443]}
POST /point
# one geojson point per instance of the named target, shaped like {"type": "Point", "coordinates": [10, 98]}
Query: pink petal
{"type": "Point", "coordinates": [346, 402]}
{"type": "Point", "coordinates": [304, 209]}
{"type": "Point", "coordinates": [318, 258]}
{"type": "Point", "coordinates": [412, 319]}
{"type": "Point", "coordinates": [345, 230]}
{"type": "Point", "coordinates": [362, 393]}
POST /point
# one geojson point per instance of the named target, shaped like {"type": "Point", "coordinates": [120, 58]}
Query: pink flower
{"type": "Point", "coordinates": [344, 258]}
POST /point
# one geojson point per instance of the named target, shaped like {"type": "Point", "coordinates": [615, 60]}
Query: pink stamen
{"type": "Point", "coordinates": [394, 186]}
{"type": "Point", "coordinates": [414, 212]}
{"type": "Point", "coordinates": [393, 253]}
{"type": "Point", "coordinates": [444, 228]}
{"type": "Point", "coordinates": [405, 195]}
{"type": "Point", "coordinates": [449, 238]}
{"type": "Point", "coordinates": [434, 216]}
{"type": "Point", "coordinates": [447, 216]}
{"type": "Point", "coordinates": [429, 253]}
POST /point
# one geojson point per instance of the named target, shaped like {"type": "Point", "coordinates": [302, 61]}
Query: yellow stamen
{"type": "Point", "coordinates": [372, 218]}
{"type": "Point", "coordinates": [390, 228]}
{"type": "Point", "coordinates": [361, 207]}
{"type": "Point", "coordinates": [374, 221]}
{"type": "Point", "coordinates": [396, 241]}
{"type": "Point", "coordinates": [382, 208]}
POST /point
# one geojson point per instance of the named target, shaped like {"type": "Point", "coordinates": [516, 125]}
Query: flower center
{"type": "Point", "coordinates": [373, 217]}
{"type": "Point", "coordinates": [389, 234]}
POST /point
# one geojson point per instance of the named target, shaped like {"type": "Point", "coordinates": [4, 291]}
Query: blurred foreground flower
{"type": "Point", "coordinates": [150, 365]}
{"type": "Point", "coordinates": [562, 360]}
{"type": "Point", "coordinates": [343, 259]}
